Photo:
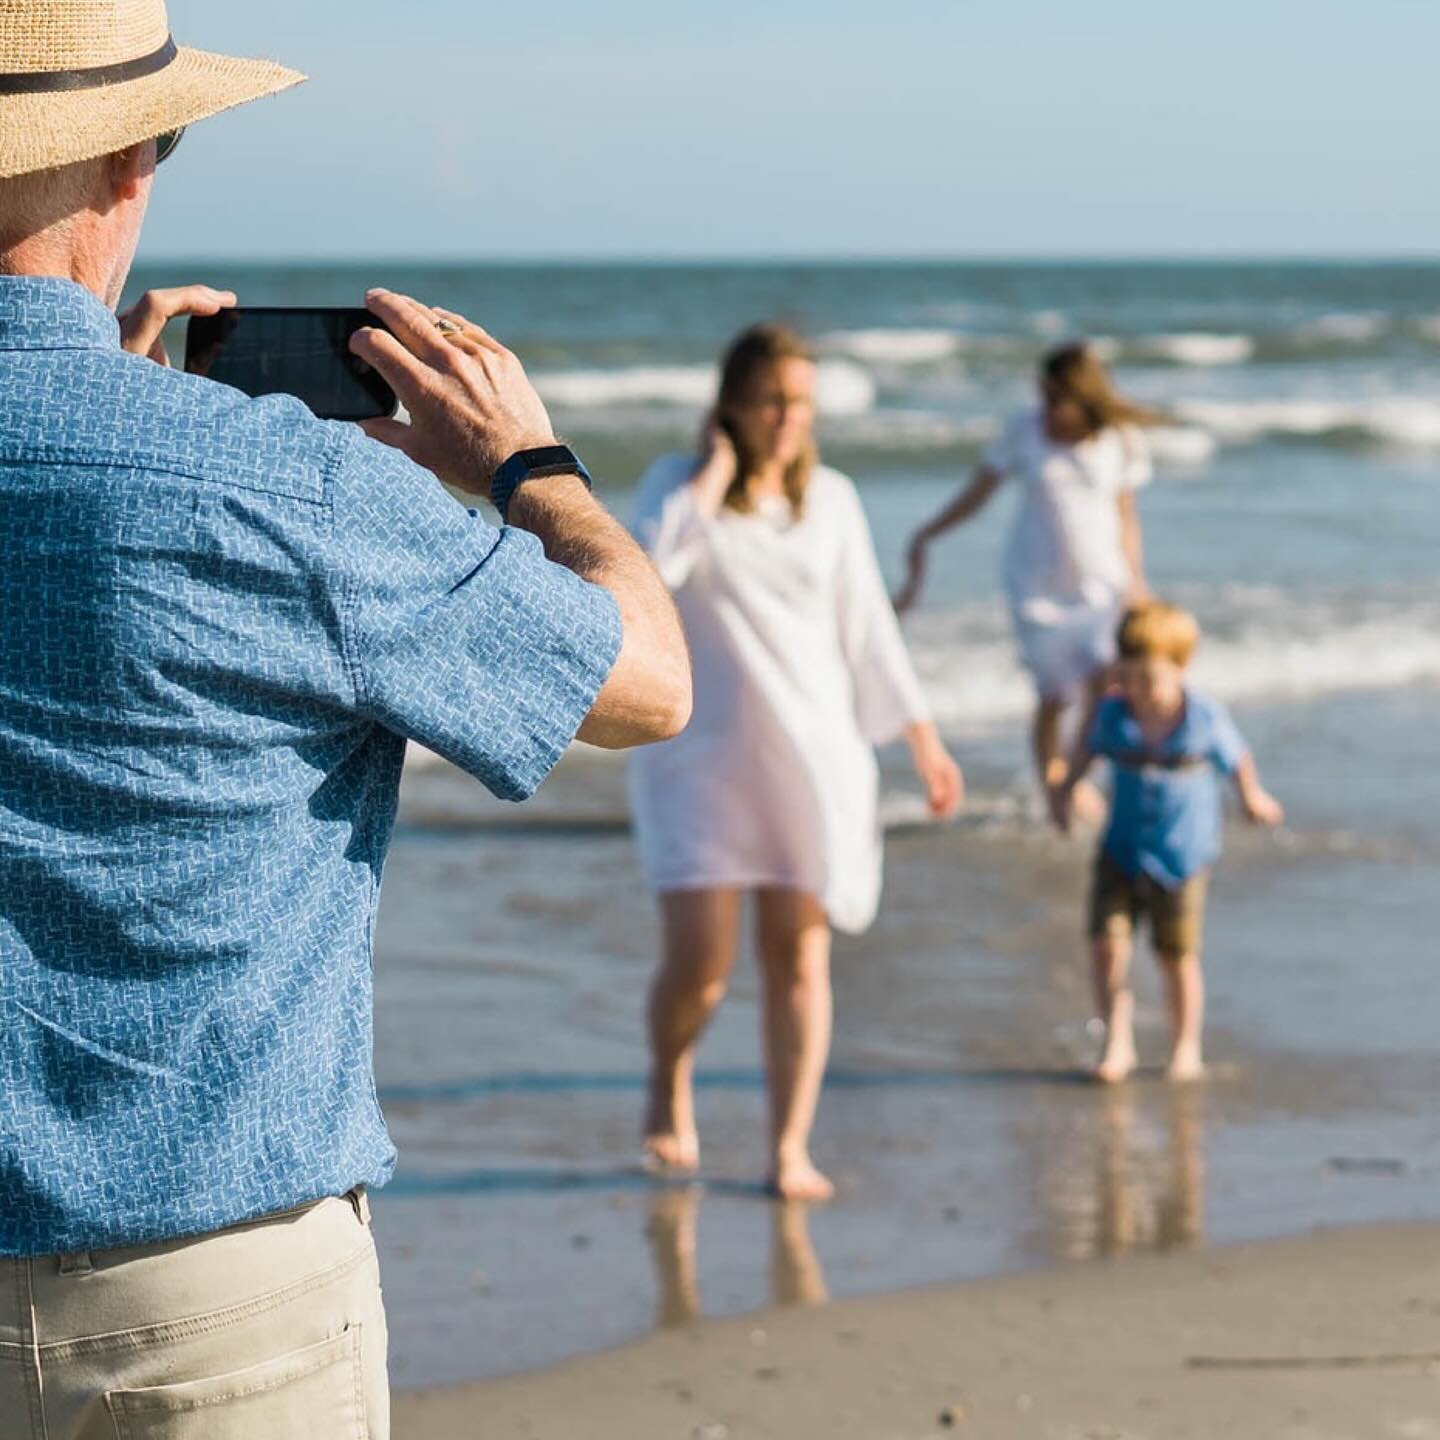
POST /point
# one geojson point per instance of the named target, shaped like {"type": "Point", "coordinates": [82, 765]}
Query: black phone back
{"type": "Point", "coordinates": [270, 350]}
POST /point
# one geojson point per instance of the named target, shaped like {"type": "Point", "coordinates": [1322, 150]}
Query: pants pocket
{"type": "Point", "coordinates": [310, 1394]}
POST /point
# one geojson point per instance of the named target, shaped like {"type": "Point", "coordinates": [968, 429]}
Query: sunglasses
{"type": "Point", "coordinates": [165, 145]}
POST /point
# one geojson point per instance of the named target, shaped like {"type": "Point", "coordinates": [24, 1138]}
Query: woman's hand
{"type": "Point", "coordinates": [142, 326]}
{"type": "Point", "coordinates": [719, 465]}
{"type": "Point", "coordinates": [915, 560]}
{"type": "Point", "coordinates": [941, 776]}
{"type": "Point", "coordinates": [717, 450]}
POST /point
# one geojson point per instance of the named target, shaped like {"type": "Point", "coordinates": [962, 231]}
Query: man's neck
{"type": "Point", "coordinates": [63, 255]}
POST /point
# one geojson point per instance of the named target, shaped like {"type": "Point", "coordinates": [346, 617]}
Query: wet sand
{"type": "Point", "coordinates": [1334, 1336]}
{"type": "Point", "coordinates": [516, 944]}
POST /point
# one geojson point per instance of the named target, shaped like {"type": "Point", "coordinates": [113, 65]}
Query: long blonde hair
{"type": "Point", "coordinates": [1074, 372]}
{"type": "Point", "coordinates": [754, 350]}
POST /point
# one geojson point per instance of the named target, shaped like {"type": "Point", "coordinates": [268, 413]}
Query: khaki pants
{"type": "Point", "coordinates": [268, 1331]}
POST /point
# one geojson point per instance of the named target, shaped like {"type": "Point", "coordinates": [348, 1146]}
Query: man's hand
{"type": "Point", "coordinates": [471, 404]}
{"type": "Point", "coordinates": [143, 325]}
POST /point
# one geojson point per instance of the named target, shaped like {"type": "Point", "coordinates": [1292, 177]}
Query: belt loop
{"type": "Point", "coordinates": [76, 1263]}
{"type": "Point", "coordinates": [359, 1203]}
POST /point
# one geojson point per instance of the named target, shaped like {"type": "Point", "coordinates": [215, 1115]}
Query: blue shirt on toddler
{"type": "Point", "coordinates": [1166, 818]}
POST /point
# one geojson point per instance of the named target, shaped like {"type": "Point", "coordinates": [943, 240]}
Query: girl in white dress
{"type": "Point", "coordinates": [1074, 561]}
{"type": "Point", "coordinates": [799, 671]}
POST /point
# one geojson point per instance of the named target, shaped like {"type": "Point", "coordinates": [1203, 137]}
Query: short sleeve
{"type": "Point", "coordinates": [458, 635]}
{"type": "Point", "coordinates": [1137, 466]}
{"type": "Point", "coordinates": [1006, 453]}
{"type": "Point", "coordinates": [1226, 747]}
{"type": "Point", "coordinates": [1104, 736]}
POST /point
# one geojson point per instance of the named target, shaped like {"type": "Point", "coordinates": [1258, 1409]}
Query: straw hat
{"type": "Point", "coordinates": [83, 78]}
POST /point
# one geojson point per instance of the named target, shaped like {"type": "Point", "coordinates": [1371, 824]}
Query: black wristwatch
{"type": "Point", "coordinates": [538, 464]}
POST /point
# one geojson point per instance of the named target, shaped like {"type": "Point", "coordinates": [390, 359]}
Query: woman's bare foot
{"type": "Point", "coordinates": [672, 1144]}
{"type": "Point", "coordinates": [1118, 1062]}
{"type": "Point", "coordinates": [671, 1153]}
{"type": "Point", "coordinates": [1187, 1063]}
{"type": "Point", "coordinates": [796, 1178]}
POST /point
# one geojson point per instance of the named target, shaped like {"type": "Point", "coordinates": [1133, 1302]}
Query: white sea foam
{"type": "Point", "coordinates": [1429, 327]}
{"type": "Point", "coordinates": [894, 347]}
{"type": "Point", "coordinates": [1394, 420]}
{"type": "Point", "coordinates": [1355, 327]}
{"type": "Point", "coordinates": [842, 387]}
{"type": "Point", "coordinates": [1199, 348]}
{"type": "Point", "coordinates": [1285, 650]}
{"type": "Point", "coordinates": [912, 430]}
{"type": "Point", "coordinates": [1181, 445]}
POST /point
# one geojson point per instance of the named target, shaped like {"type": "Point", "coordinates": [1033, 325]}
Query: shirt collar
{"type": "Point", "coordinates": [42, 312]}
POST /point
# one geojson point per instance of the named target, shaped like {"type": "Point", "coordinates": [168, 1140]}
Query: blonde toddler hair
{"type": "Point", "coordinates": [1158, 629]}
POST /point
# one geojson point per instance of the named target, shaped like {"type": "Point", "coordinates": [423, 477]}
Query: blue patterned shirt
{"type": "Point", "coordinates": [221, 620]}
{"type": "Point", "coordinates": [1166, 818]}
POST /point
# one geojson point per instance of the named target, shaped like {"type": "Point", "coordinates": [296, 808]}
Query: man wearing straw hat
{"type": "Point", "coordinates": [221, 619]}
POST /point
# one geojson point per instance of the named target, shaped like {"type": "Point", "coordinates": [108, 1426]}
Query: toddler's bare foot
{"type": "Point", "coordinates": [1118, 1062]}
{"type": "Point", "coordinates": [1087, 804]}
{"type": "Point", "coordinates": [1187, 1063]}
{"type": "Point", "coordinates": [796, 1178]}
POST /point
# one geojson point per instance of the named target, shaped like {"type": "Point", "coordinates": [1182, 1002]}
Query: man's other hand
{"type": "Point", "coordinates": [142, 326]}
{"type": "Point", "coordinates": [471, 404]}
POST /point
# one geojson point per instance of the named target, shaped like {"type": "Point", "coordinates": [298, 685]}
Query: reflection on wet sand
{"type": "Point", "coordinates": [796, 1277]}
{"type": "Point", "coordinates": [1131, 1175]}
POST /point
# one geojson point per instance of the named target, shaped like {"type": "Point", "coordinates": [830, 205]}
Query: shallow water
{"type": "Point", "coordinates": [514, 951]}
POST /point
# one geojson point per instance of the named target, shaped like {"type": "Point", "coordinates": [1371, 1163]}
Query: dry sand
{"type": "Point", "coordinates": [1333, 1336]}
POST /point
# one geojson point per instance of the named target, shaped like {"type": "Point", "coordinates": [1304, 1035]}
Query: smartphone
{"type": "Point", "coordinates": [271, 350]}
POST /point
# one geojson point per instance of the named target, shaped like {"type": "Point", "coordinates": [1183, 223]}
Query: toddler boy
{"type": "Point", "coordinates": [1166, 744]}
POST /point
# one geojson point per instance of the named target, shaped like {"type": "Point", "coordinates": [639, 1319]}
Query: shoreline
{"type": "Point", "coordinates": [1331, 1333]}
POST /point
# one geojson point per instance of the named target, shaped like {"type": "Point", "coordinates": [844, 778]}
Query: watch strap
{"type": "Point", "coordinates": [537, 464]}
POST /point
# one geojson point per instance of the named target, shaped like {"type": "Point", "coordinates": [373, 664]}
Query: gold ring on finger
{"type": "Point", "coordinates": [448, 327]}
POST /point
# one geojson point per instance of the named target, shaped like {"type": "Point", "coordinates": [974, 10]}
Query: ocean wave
{"type": "Point", "coordinates": [894, 347]}
{"type": "Point", "coordinates": [1198, 348]}
{"type": "Point", "coordinates": [842, 388]}
{"type": "Point", "coordinates": [1411, 421]}
{"type": "Point", "coordinates": [1286, 650]}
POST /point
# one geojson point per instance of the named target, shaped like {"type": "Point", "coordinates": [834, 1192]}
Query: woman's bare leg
{"type": "Point", "coordinates": [1045, 743]}
{"type": "Point", "coordinates": [1116, 1006]}
{"type": "Point", "coordinates": [701, 928]}
{"type": "Point", "coordinates": [796, 1276]}
{"type": "Point", "coordinates": [794, 948]}
{"type": "Point", "coordinates": [671, 1232]}
{"type": "Point", "coordinates": [1185, 992]}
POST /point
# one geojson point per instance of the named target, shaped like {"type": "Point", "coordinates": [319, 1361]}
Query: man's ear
{"type": "Point", "coordinates": [128, 169]}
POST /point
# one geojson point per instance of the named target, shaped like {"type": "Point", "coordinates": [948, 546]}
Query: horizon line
{"type": "Point", "coordinates": [1397, 257]}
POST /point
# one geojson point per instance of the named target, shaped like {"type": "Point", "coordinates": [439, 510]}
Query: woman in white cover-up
{"type": "Point", "coordinates": [799, 671]}
{"type": "Point", "coordinates": [1074, 560]}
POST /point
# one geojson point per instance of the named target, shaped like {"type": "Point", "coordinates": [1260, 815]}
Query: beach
{"type": "Point", "coordinates": [958, 1121]}
{"type": "Point", "coordinates": [1329, 1336]}
{"type": "Point", "coordinates": [1295, 511]}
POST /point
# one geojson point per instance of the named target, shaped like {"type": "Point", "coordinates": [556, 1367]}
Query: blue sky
{"type": "Point", "coordinates": [457, 128]}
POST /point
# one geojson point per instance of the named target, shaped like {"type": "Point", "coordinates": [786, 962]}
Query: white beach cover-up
{"type": "Point", "coordinates": [800, 669]}
{"type": "Point", "coordinates": [1066, 574]}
